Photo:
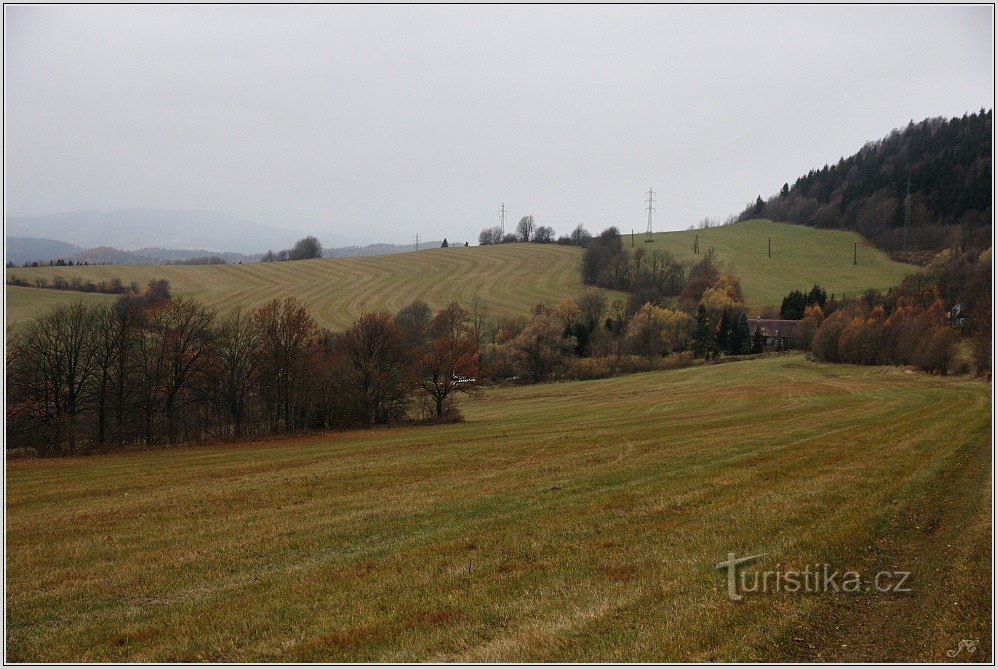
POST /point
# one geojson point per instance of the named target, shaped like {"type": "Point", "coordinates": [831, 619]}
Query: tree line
{"type": "Point", "coordinates": [150, 369]}
{"type": "Point", "coordinates": [305, 248]}
{"type": "Point", "coordinates": [948, 166]}
{"type": "Point", "coordinates": [528, 231]}
{"type": "Point", "coordinates": [113, 286]}
{"type": "Point", "coordinates": [938, 320]}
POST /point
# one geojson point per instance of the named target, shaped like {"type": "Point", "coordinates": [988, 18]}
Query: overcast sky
{"type": "Point", "coordinates": [377, 123]}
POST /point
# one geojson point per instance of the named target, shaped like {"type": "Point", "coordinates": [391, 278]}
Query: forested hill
{"type": "Point", "coordinates": [949, 167]}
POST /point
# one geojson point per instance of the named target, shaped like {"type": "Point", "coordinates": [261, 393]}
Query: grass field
{"type": "Point", "coordinates": [512, 278]}
{"type": "Point", "coordinates": [26, 303]}
{"type": "Point", "coordinates": [570, 522]}
{"type": "Point", "coordinates": [802, 257]}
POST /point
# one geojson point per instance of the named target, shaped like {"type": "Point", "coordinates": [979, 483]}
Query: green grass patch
{"type": "Point", "coordinates": [801, 257]}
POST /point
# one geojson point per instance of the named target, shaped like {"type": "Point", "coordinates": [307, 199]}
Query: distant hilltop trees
{"type": "Point", "coordinates": [527, 231]}
{"type": "Point", "coordinates": [304, 249]}
{"type": "Point", "coordinates": [936, 175]}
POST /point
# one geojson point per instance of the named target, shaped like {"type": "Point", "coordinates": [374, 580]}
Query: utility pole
{"type": "Point", "coordinates": [417, 241]}
{"type": "Point", "coordinates": [651, 208]}
{"type": "Point", "coordinates": [502, 219]}
{"type": "Point", "coordinates": [632, 238]}
{"type": "Point", "coordinates": [696, 244]}
{"type": "Point", "coordinates": [855, 250]}
{"type": "Point", "coordinates": [907, 215]}
{"type": "Point", "coordinates": [769, 253]}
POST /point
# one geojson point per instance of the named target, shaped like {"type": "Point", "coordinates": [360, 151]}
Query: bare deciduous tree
{"type": "Point", "coordinates": [525, 228]}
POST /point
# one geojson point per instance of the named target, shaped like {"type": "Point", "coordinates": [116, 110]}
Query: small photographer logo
{"type": "Point", "coordinates": [969, 645]}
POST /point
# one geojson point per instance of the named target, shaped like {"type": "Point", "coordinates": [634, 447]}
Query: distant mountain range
{"type": "Point", "coordinates": [133, 229]}
{"type": "Point", "coordinates": [160, 236]}
{"type": "Point", "coordinates": [376, 249]}
{"type": "Point", "coordinates": [21, 250]}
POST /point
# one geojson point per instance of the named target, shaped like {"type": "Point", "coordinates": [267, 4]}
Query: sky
{"type": "Point", "coordinates": [377, 123]}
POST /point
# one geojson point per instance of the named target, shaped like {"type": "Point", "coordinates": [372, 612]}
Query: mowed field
{"type": "Point", "coordinates": [511, 278]}
{"type": "Point", "coordinates": [561, 522]}
{"type": "Point", "coordinates": [26, 303]}
{"type": "Point", "coordinates": [802, 257]}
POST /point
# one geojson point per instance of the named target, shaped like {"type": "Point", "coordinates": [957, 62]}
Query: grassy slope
{"type": "Point", "coordinates": [546, 527]}
{"type": "Point", "coordinates": [25, 303]}
{"type": "Point", "coordinates": [802, 256]}
{"type": "Point", "coordinates": [511, 278]}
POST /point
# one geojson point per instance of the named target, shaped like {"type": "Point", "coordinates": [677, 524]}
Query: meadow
{"type": "Point", "coordinates": [510, 278]}
{"type": "Point", "coordinates": [801, 257]}
{"type": "Point", "coordinates": [560, 522]}
{"type": "Point", "coordinates": [25, 303]}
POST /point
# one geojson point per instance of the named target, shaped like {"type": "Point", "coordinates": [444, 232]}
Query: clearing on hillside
{"type": "Point", "coordinates": [547, 527]}
{"type": "Point", "coordinates": [802, 257]}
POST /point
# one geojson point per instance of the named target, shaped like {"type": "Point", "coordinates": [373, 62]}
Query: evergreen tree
{"type": "Point", "coordinates": [817, 296]}
{"type": "Point", "coordinates": [701, 335]}
{"type": "Point", "coordinates": [722, 342]}
{"type": "Point", "coordinates": [444, 245]}
{"type": "Point", "coordinates": [740, 339]}
{"type": "Point", "coordinates": [757, 341]}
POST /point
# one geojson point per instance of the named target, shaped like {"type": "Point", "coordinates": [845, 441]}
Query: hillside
{"type": "Point", "coordinates": [547, 527]}
{"type": "Point", "coordinates": [20, 250]}
{"type": "Point", "coordinates": [948, 164]}
{"type": "Point", "coordinates": [802, 256]}
{"type": "Point", "coordinates": [25, 303]}
{"type": "Point", "coordinates": [510, 277]}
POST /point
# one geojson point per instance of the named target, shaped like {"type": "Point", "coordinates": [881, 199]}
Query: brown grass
{"type": "Point", "coordinates": [591, 518]}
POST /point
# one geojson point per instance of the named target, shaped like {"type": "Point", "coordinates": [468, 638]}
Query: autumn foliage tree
{"type": "Point", "coordinates": [448, 361]}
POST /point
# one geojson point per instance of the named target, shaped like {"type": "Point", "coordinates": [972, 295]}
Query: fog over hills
{"type": "Point", "coordinates": [132, 229]}
{"type": "Point", "coordinates": [27, 249]}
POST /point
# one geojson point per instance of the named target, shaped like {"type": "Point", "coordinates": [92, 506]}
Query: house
{"type": "Point", "coordinates": [777, 333]}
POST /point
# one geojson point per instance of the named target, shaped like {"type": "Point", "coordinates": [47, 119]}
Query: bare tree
{"type": "Point", "coordinates": [541, 347]}
{"type": "Point", "coordinates": [235, 344]}
{"type": "Point", "coordinates": [481, 321]}
{"type": "Point", "coordinates": [414, 319]}
{"type": "Point", "coordinates": [490, 236]}
{"type": "Point", "coordinates": [580, 236]}
{"type": "Point", "coordinates": [285, 333]}
{"type": "Point", "coordinates": [181, 331]}
{"type": "Point", "coordinates": [525, 228]}
{"type": "Point", "coordinates": [543, 235]}
{"type": "Point", "coordinates": [379, 364]}
{"type": "Point", "coordinates": [55, 360]}
{"type": "Point", "coordinates": [306, 249]}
